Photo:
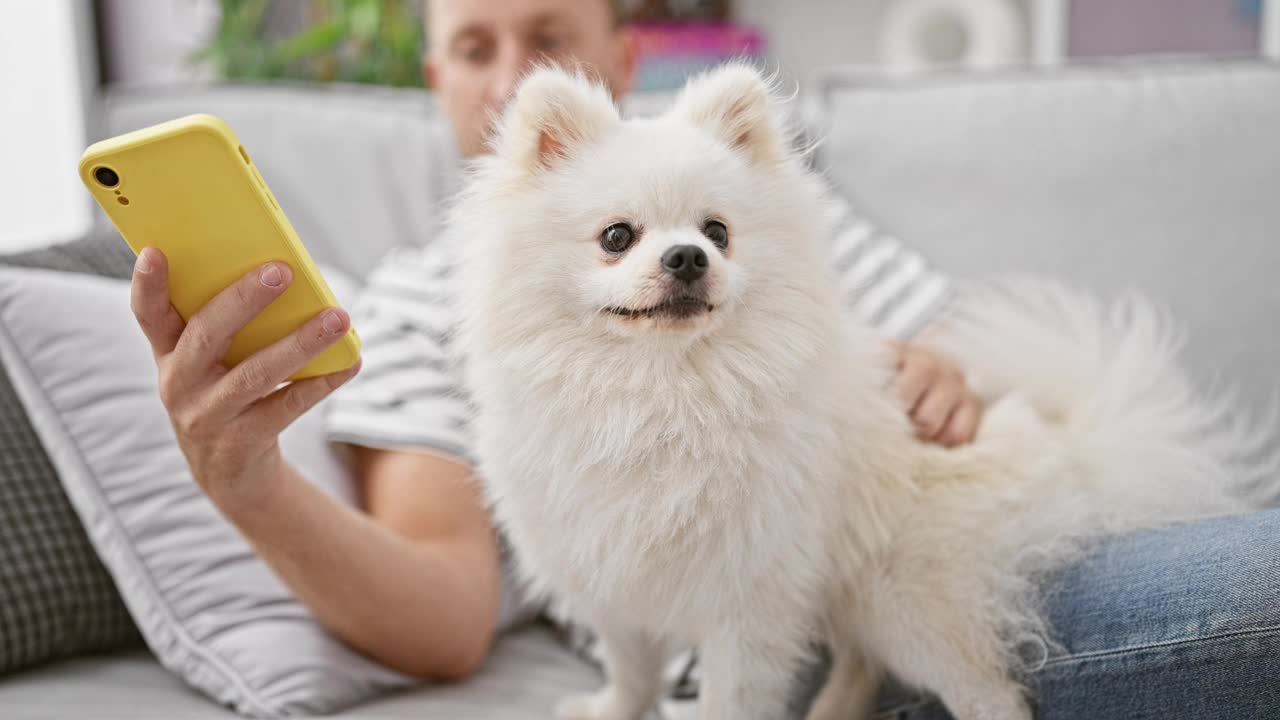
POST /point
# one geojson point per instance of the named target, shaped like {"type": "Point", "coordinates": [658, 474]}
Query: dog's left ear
{"type": "Point", "coordinates": [553, 113]}
{"type": "Point", "coordinates": [734, 102]}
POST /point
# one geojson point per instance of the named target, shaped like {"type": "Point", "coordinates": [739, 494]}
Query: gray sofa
{"type": "Point", "coordinates": [1162, 176]}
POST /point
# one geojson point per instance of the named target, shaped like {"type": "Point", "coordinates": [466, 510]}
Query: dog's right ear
{"type": "Point", "coordinates": [552, 114]}
{"type": "Point", "coordinates": [735, 103]}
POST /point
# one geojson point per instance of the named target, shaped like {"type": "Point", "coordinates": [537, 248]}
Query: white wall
{"type": "Point", "coordinates": [42, 124]}
{"type": "Point", "coordinates": [804, 35]}
{"type": "Point", "coordinates": [151, 43]}
{"type": "Point", "coordinates": [1271, 29]}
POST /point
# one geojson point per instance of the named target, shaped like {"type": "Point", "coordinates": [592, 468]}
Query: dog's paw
{"type": "Point", "coordinates": [1012, 709]}
{"type": "Point", "coordinates": [602, 705]}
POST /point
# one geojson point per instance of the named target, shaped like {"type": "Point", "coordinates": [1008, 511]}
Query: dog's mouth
{"type": "Point", "coordinates": [679, 308]}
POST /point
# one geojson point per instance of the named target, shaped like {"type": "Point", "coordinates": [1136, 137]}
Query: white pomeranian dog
{"type": "Point", "coordinates": [689, 443]}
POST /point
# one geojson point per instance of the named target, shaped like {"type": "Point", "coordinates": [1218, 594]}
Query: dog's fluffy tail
{"type": "Point", "coordinates": [1154, 449]}
{"type": "Point", "coordinates": [1133, 445]}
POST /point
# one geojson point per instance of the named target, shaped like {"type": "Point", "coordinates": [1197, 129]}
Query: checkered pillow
{"type": "Point", "coordinates": [56, 598]}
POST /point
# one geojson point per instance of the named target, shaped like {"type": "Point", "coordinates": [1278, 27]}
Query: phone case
{"type": "Point", "coordinates": [188, 188]}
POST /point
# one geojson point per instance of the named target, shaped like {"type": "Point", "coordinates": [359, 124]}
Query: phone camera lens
{"type": "Point", "coordinates": [106, 177]}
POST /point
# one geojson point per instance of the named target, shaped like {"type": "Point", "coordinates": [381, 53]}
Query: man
{"type": "Point", "coordinates": [421, 552]}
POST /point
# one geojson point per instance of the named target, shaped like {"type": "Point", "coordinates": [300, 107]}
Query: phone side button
{"type": "Point", "coordinates": [257, 176]}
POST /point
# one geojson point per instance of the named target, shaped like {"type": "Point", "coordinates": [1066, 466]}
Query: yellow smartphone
{"type": "Point", "coordinates": [188, 188]}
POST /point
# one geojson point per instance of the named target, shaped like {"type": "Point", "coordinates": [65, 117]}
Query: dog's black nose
{"type": "Point", "coordinates": [685, 262]}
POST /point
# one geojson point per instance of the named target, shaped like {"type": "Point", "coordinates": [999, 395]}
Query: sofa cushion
{"type": "Point", "coordinates": [56, 598]}
{"type": "Point", "coordinates": [524, 677]}
{"type": "Point", "coordinates": [1159, 176]}
{"type": "Point", "coordinates": [357, 169]}
{"type": "Point", "coordinates": [209, 608]}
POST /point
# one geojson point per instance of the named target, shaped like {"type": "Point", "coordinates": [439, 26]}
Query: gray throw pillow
{"type": "Point", "coordinates": [56, 598]}
{"type": "Point", "coordinates": [211, 611]}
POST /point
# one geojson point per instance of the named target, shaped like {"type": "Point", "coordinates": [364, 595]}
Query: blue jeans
{"type": "Point", "coordinates": [1177, 623]}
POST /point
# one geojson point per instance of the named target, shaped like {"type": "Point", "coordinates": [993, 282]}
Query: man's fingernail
{"type": "Point", "coordinates": [332, 323]}
{"type": "Point", "coordinates": [272, 277]}
{"type": "Point", "coordinates": [143, 264]}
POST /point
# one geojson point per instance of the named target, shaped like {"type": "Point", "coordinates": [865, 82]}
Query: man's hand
{"type": "Point", "coordinates": [227, 419]}
{"type": "Point", "coordinates": [425, 556]}
{"type": "Point", "coordinates": [936, 397]}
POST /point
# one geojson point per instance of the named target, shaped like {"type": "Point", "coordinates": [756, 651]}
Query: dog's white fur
{"type": "Point", "coordinates": [746, 479]}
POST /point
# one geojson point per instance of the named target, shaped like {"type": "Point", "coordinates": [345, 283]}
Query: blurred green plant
{"type": "Point", "coordinates": [364, 41]}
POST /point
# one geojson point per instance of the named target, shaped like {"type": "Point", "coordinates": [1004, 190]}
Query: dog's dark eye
{"type": "Point", "coordinates": [717, 233]}
{"type": "Point", "coordinates": [617, 238]}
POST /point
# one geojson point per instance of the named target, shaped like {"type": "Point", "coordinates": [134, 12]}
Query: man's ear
{"type": "Point", "coordinates": [429, 70]}
{"type": "Point", "coordinates": [628, 57]}
{"type": "Point", "coordinates": [552, 114]}
{"type": "Point", "coordinates": [734, 103]}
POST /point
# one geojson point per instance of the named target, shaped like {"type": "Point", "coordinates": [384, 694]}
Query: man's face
{"type": "Point", "coordinates": [478, 50]}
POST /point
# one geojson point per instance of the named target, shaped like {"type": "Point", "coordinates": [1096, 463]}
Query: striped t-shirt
{"type": "Point", "coordinates": [408, 395]}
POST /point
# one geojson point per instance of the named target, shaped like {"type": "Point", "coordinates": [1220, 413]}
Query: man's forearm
{"type": "Point", "coordinates": [425, 607]}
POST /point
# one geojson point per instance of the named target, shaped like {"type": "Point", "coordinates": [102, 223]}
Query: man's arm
{"type": "Point", "coordinates": [415, 584]}
{"type": "Point", "coordinates": [893, 288]}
